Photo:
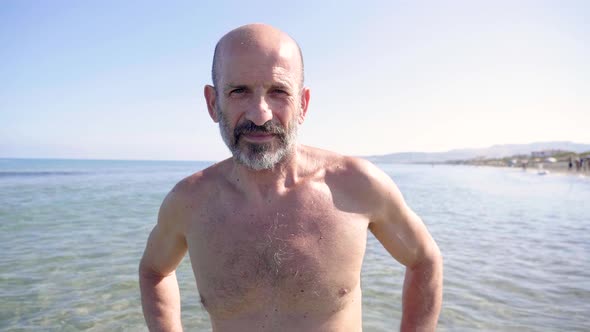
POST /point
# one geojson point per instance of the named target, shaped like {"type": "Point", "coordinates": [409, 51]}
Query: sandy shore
{"type": "Point", "coordinates": [552, 169]}
{"type": "Point", "coordinates": [558, 168]}
{"type": "Point", "coordinates": [561, 168]}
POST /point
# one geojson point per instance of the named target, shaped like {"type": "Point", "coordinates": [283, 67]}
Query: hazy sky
{"type": "Point", "coordinates": [124, 79]}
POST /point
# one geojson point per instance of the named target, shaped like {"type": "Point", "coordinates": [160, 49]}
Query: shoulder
{"type": "Point", "coordinates": [358, 180]}
{"type": "Point", "coordinates": [203, 182]}
{"type": "Point", "coordinates": [354, 171]}
{"type": "Point", "coordinates": [190, 195]}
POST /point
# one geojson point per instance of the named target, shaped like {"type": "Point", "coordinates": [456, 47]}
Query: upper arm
{"type": "Point", "coordinates": [394, 224]}
{"type": "Point", "coordinates": [166, 245]}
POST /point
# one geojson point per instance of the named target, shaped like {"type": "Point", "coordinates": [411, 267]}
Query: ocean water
{"type": "Point", "coordinates": [516, 246]}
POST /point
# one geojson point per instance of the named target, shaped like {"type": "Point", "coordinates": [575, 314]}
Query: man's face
{"type": "Point", "coordinates": [258, 106]}
{"type": "Point", "coordinates": [258, 155]}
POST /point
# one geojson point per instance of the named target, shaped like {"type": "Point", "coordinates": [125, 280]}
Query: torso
{"type": "Point", "coordinates": [292, 262]}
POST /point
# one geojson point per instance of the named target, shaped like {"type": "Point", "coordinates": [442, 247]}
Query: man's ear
{"type": "Point", "coordinates": [305, 95]}
{"type": "Point", "coordinates": [211, 99]}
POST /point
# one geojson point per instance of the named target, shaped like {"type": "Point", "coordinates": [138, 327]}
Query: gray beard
{"type": "Point", "coordinates": [259, 156]}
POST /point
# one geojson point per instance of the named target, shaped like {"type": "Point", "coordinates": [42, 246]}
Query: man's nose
{"type": "Point", "coordinates": [260, 112]}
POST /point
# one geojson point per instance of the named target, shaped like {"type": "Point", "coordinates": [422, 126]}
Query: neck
{"type": "Point", "coordinates": [268, 182]}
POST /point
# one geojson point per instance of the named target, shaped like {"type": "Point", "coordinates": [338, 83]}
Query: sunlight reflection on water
{"type": "Point", "coordinates": [515, 247]}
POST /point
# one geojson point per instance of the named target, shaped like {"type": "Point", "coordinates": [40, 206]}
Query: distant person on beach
{"type": "Point", "coordinates": [276, 234]}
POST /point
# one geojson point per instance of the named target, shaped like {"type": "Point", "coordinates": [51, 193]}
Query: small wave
{"type": "Point", "coordinates": [37, 174]}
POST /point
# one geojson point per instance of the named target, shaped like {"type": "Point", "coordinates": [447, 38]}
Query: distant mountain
{"type": "Point", "coordinates": [495, 151]}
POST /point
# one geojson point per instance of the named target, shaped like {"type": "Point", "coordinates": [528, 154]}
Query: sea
{"type": "Point", "coordinates": [516, 246]}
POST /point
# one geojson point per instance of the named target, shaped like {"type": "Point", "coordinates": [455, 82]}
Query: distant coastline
{"type": "Point", "coordinates": [491, 153]}
{"type": "Point", "coordinates": [543, 162]}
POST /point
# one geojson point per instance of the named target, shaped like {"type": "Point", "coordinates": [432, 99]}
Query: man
{"type": "Point", "coordinates": [277, 233]}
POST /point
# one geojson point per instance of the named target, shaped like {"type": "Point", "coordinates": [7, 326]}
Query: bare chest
{"type": "Point", "coordinates": [291, 257]}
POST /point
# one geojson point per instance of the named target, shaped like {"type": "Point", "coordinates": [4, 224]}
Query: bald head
{"type": "Point", "coordinates": [260, 38]}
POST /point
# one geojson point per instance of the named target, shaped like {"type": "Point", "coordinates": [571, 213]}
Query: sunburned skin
{"type": "Point", "coordinates": [295, 258]}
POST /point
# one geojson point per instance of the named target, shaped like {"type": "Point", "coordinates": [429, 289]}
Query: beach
{"type": "Point", "coordinates": [515, 246]}
{"type": "Point", "coordinates": [540, 166]}
{"type": "Point", "coordinates": [561, 168]}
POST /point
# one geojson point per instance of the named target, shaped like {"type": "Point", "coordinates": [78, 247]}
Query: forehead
{"type": "Point", "coordinates": [251, 69]}
{"type": "Point", "coordinates": [259, 61]}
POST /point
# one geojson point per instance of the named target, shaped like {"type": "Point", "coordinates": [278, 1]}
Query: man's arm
{"type": "Point", "coordinates": [406, 238]}
{"type": "Point", "coordinates": [422, 295]}
{"type": "Point", "coordinates": [166, 246]}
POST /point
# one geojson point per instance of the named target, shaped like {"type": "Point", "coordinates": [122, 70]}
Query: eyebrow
{"type": "Point", "coordinates": [280, 86]}
{"type": "Point", "coordinates": [231, 86]}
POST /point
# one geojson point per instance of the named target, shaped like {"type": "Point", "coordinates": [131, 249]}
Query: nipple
{"type": "Point", "coordinates": [343, 291]}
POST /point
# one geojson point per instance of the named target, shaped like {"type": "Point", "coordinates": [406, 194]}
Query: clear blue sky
{"type": "Point", "coordinates": [124, 79]}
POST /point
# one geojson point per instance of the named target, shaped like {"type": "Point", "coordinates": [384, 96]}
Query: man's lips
{"type": "Point", "coordinates": [258, 137]}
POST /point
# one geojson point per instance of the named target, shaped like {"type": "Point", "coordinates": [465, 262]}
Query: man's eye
{"type": "Point", "coordinates": [237, 91]}
{"type": "Point", "coordinates": [280, 91]}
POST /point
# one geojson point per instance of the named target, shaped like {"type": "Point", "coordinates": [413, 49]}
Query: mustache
{"type": "Point", "coordinates": [249, 127]}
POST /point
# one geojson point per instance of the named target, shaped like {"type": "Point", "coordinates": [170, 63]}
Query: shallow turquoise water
{"type": "Point", "coordinates": [515, 244]}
